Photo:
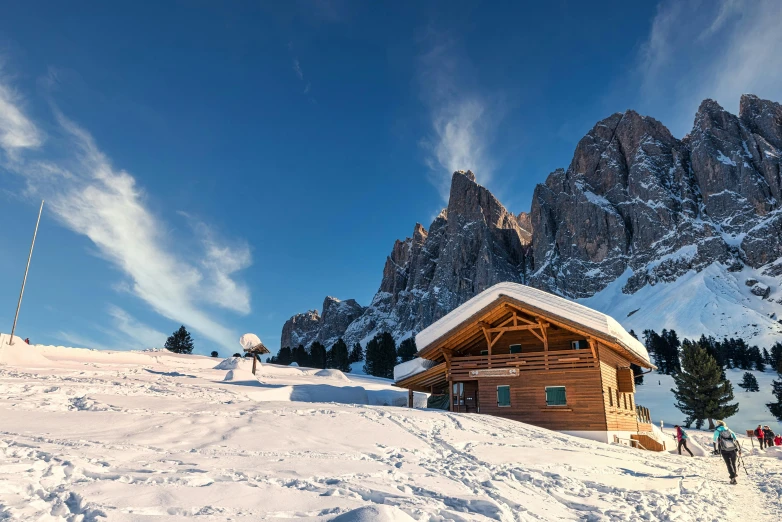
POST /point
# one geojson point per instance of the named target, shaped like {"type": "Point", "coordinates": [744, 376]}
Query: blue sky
{"type": "Point", "coordinates": [228, 164]}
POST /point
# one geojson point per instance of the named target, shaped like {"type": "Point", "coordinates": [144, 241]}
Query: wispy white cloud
{"type": "Point", "coordinates": [463, 119]}
{"type": "Point", "coordinates": [92, 197]}
{"type": "Point", "coordinates": [729, 47]}
{"type": "Point", "coordinates": [297, 69]}
{"type": "Point", "coordinates": [17, 132]}
{"type": "Point", "coordinates": [129, 327]}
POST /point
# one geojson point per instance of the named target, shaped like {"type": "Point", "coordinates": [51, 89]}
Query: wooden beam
{"type": "Point", "coordinates": [533, 326]}
{"type": "Point", "coordinates": [592, 347]}
{"type": "Point", "coordinates": [544, 334]}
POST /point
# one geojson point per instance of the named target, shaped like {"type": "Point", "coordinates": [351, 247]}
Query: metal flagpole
{"type": "Point", "coordinates": [24, 281]}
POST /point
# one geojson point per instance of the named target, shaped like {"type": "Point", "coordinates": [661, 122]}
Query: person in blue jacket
{"type": "Point", "coordinates": [726, 443]}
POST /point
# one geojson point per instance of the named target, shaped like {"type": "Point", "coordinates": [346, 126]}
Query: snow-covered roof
{"type": "Point", "coordinates": [601, 324]}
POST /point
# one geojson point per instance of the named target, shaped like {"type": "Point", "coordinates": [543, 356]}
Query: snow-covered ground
{"type": "Point", "coordinates": [89, 436]}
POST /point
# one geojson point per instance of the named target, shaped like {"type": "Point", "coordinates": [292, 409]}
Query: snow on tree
{"type": "Point", "coordinates": [180, 341]}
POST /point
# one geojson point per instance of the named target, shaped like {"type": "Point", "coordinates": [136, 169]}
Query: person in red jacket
{"type": "Point", "coordinates": [778, 440]}
{"type": "Point", "coordinates": [681, 437]}
{"type": "Point", "coordinates": [27, 340]}
{"type": "Point", "coordinates": [760, 435]}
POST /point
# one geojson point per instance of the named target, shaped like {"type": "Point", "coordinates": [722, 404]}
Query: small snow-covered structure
{"type": "Point", "coordinates": [528, 355]}
{"type": "Point", "coordinates": [253, 345]}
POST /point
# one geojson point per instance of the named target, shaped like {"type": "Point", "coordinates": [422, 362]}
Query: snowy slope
{"type": "Point", "coordinates": [713, 301]}
{"type": "Point", "coordinates": [141, 436]}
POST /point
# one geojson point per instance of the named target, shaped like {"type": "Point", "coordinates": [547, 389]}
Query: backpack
{"type": "Point", "coordinates": [726, 441]}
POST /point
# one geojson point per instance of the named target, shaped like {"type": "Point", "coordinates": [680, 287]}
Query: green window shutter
{"type": "Point", "coordinates": [555, 396]}
{"type": "Point", "coordinates": [503, 395]}
{"type": "Point", "coordinates": [515, 348]}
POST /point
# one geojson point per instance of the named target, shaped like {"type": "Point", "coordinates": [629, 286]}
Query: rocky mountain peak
{"type": "Point", "coordinates": [635, 203]}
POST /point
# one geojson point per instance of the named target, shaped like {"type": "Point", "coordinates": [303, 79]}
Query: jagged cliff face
{"type": "Point", "coordinates": [635, 197]}
{"type": "Point", "coordinates": [635, 202]}
{"type": "Point", "coordinates": [325, 328]}
{"type": "Point", "coordinates": [473, 244]}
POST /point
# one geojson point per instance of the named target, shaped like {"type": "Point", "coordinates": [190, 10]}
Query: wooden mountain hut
{"type": "Point", "coordinates": [531, 356]}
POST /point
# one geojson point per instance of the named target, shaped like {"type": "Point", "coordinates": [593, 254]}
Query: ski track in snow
{"type": "Point", "coordinates": [170, 440]}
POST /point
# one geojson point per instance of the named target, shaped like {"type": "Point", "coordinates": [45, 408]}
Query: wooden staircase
{"type": "Point", "coordinates": [648, 442]}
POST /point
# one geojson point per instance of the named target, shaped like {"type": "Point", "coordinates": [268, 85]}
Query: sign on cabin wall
{"type": "Point", "coordinates": [495, 372]}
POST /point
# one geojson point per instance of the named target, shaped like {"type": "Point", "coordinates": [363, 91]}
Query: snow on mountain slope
{"type": "Point", "coordinates": [135, 436]}
{"type": "Point", "coordinates": [713, 301]}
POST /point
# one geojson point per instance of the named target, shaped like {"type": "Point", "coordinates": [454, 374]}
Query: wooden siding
{"type": "Point", "coordinates": [619, 407]}
{"type": "Point", "coordinates": [584, 410]}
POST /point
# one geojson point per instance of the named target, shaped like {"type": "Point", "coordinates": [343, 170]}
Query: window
{"type": "Point", "coordinates": [618, 398]}
{"type": "Point", "coordinates": [631, 402]}
{"type": "Point", "coordinates": [581, 344]}
{"type": "Point", "coordinates": [610, 397]}
{"type": "Point", "coordinates": [624, 396]}
{"type": "Point", "coordinates": [555, 396]}
{"type": "Point", "coordinates": [484, 352]}
{"type": "Point", "coordinates": [515, 348]}
{"type": "Point", "coordinates": [503, 396]}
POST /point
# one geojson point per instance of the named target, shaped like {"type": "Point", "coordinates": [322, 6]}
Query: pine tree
{"type": "Point", "coordinates": [180, 341]}
{"type": "Point", "coordinates": [215, 354]}
{"type": "Point", "coordinates": [236, 355]}
{"type": "Point", "coordinates": [671, 347]}
{"type": "Point", "coordinates": [317, 355]}
{"type": "Point", "coordinates": [776, 389]}
{"type": "Point", "coordinates": [284, 356]}
{"type": "Point", "coordinates": [381, 356]}
{"type": "Point", "coordinates": [356, 353]}
{"type": "Point", "coordinates": [300, 356]}
{"type": "Point", "coordinates": [749, 383]}
{"type": "Point", "coordinates": [757, 359]}
{"type": "Point", "coordinates": [775, 357]}
{"type": "Point", "coordinates": [339, 356]}
{"type": "Point", "coordinates": [407, 350]}
{"type": "Point", "coordinates": [767, 358]}
{"type": "Point", "coordinates": [702, 392]}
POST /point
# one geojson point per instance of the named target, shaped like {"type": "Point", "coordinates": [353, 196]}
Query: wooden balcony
{"type": "Point", "coordinates": [468, 368]}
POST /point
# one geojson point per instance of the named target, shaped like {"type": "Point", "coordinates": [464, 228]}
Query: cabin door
{"type": "Point", "coordinates": [465, 397]}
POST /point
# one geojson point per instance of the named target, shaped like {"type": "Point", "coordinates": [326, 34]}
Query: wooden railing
{"type": "Point", "coordinates": [644, 416]}
{"type": "Point", "coordinates": [551, 360]}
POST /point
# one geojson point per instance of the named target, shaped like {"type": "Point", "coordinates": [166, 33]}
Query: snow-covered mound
{"type": "Point", "coordinates": [380, 513]}
{"type": "Point", "coordinates": [19, 353]}
{"type": "Point", "coordinates": [228, 364]}
{"type": "Point", "coordinates": [132, 436]}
